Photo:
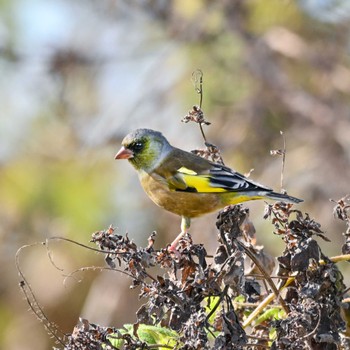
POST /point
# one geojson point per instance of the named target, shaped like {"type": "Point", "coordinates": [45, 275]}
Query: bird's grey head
{"type": "Point", "coordinates": [145, 148]}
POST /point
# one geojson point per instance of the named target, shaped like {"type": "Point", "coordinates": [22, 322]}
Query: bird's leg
{"type": "Point", "coordinates": [185, 225]}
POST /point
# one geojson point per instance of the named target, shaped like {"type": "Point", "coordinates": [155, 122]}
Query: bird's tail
{"type": "Point", "coordinates": [282, 197]}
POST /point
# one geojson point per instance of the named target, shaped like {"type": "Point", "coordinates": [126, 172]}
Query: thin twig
{"type": "Point", "coordinates": [268, 279]}
{"type": "Point", "coordinates": [97, 268]}
{"type": "Point", "coordinates": [106, 252]}
{"type": "Point", "coordinates": [218, 302]}
{"type": "Point", "coordinates": [32, 301]}
{"type": "Point", "coordinates": [257, 345]}
{"type": "Point", "coordinates": [310, 334]}
{"type": "Point", "coordinates": [248, 305]}
{"type": "Point", "coordinates": [337, 258]}
{"type": "Point", "coordinates": [264, 304]}
{"type": "Point", "coordinates": [283, 158]}
{"type": "Point", "coordinates": [281, 152]}
{"type": "Point", "coordinates": [197, 79]}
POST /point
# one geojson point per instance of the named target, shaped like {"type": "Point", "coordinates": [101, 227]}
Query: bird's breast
{"type": "Point", "coordinates": [189, 204]}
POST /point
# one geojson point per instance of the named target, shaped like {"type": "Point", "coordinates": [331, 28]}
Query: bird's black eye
{"type": "Point", "coordinates": [137, 146]}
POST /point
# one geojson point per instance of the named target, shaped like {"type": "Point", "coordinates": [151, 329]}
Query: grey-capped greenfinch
{"type": "Point", "coordinates": [184, 183]}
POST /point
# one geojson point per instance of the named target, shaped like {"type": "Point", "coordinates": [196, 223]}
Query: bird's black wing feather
{"type": "Point", "coordinates": [224, 177]}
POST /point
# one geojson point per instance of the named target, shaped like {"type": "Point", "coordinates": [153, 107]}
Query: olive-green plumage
{"type": "Point", "coordinates": [184, 183]}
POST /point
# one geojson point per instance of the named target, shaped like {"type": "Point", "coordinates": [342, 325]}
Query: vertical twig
{"type": "Point", "coordinates": [283, 158]}
{"type": "Point", "coordinates": [281, 152]}
{"type": "Point", "coordinates": [251, 254]}
{"type": "Point", "coordinates": [197, 79]}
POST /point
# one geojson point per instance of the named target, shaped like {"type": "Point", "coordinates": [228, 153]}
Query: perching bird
{"type": "Point", "coordinates": [184, 183]}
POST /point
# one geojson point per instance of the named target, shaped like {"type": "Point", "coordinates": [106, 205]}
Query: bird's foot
{"type": "Point", "coordinates": [173, 245]}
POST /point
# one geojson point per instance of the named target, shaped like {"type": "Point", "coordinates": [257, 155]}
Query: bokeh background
{"type": "Point", "coordinates": [76, 76]}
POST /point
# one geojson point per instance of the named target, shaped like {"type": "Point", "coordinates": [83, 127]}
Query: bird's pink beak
{"type": "Point", "coordinates": [124, 153]}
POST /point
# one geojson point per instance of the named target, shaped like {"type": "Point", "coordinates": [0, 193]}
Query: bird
{"type": "Point", "coordinates": [186, 184]}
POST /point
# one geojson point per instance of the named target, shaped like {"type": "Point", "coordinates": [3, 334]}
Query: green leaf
{"type": "Point", "coordinates": [149, 334]}
{"type": "Point", "coordinates": [273, 313]}
{"type": "Point", "coordinates": [210, 304]}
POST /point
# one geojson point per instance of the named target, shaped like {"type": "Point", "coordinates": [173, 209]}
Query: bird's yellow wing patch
{"type": "Point", "coordinates": [199, 183]}
{"type": "Point", "coordinates": [187, 171]}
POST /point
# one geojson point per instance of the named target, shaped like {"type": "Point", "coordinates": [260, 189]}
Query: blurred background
{"type": "Point", "coordinates": [76, 76]}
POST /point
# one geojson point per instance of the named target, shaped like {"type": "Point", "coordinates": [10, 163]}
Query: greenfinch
{"type": "Point", "coordinates": [184, 183]}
